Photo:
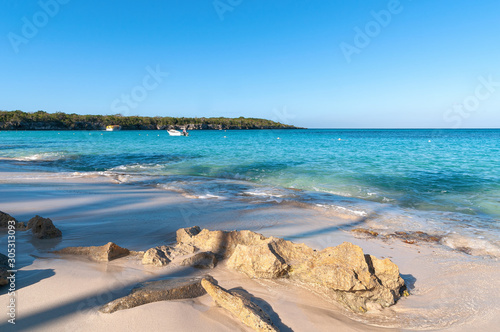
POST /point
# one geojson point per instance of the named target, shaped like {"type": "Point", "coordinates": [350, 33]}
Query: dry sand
{"type": "Point", "coordinates": [450, 290]}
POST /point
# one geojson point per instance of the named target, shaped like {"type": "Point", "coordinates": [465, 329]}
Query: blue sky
{"type": "Point", "coordinates": [337, 64]}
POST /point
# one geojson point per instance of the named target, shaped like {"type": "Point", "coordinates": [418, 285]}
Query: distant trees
{"type": "Point", "coordinates": [41, 120]}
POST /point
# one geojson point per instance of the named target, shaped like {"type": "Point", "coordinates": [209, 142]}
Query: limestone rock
{"type": "Point", "coordinates": [201, 260]}
{"type": "Point", "coordinates": [386, 271]}
{"type": "Point", "coordinates": [158, 256]}
{"type": "Point", "coordinates": [221, 243]}
{"type": "Point", "coordinates": [3, 270]}
{"type": "Point", "coordinates": [43, 228]}
{"type": "Point", "coordinates": [342, 268]}
{"type": "Point", "coordinates": [162, 290]}
{"type": "Point", "coordinates": [246, 311]}
{"type": "Point", "coordinates": [184, 235]}
{"type": "Point", "coordinates": [257, 261]}
{"type": "Point", "coordinates": [103, 253]}
{"type": "Point", "coordinates": [4, 222]}
{"type": "Point", "coordinates": [356, 280]}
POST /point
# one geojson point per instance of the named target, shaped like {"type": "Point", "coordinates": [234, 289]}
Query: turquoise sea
{"type": "Point", "coordinates": [444, 182]}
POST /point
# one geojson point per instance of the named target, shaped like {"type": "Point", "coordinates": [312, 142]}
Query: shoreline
{"type": "Point", "coordinates": [448, 289]}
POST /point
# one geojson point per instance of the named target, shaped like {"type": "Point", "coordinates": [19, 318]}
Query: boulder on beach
{"type": "Point", "coordinates": [43, 228]}
{"type": "Point", "coordinates": [257, 261]}
{"type": "Point", "coordinates": [158, 256]}
{"type": "Point", "coordinates": [103, 253]}
{"type": "Point", "coordinates": [4, 222]}
{"type": "Point", "coordinates": [245, 310]}
{"type": "Point", "coordinates": [161, 290]}
{"type": "Point", "coordinates": [221, 243]}
{"type": "Point", "coordinates": [356, 280]}
{"type": "Point", "coordinates": [201, 260]}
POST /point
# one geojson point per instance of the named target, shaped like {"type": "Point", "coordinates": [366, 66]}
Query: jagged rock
{"type": "Point", "coordinates": [3, 270]}
{"type": "Point", "coordinates": [246, 311]}
{"type": "Point", "coordinates": [218, 242]}
{"type": "Point", "coordinates": [354, 279]}
{"type": "Point", "coordinates": [103, 253]}
{"type": "Point", "coordinates": [43, 228]}
{"type": "Point", "coordinates": [257, 261]}
{"type": "Point", "coordinates": [162, 290]}
{"type": "Point", "coordinates": [201, 260]}
{"type": "Point", "coordinates": [158, 256]}
{"type": "Point", "coordinates": [163, 255]}
{"type": "Point", "coordinates": [4, 222]}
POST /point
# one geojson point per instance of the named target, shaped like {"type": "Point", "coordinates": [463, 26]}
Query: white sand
{"type": "Point", "coordinates": [450, 290]}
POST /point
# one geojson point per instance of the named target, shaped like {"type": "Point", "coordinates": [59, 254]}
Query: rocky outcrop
{"type": "Point", "coordinates": [43, 228]}
{"type": "Point", "coordinates": [4, 222]}
{"type": "Point", "coordinates": [258, 261]}
{"type": "Point", "coordinates": [220, 243]}
{"type": "Point", "coordinates": [3, 270]}
{"type": "Point", "coordinates": [162, 290]}
{"type": "Point", "coordinates": [356, 280]}
{"type": "Point", "coordinates": [246, 311]}
{"type": "Point", "coordinates": [163, 255]}
{"type": "Point", "coordinates": [103, 253]}
{"type": "Point", "coordinates": [158, 256]}
{"type": "Point", "coordinates": [201, 260]}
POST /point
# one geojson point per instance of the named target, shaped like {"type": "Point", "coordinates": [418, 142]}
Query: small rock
{"type": "Point", "coordinates": [103, 253]}
{"type": "Point", "coordinates": [201, 260]}
{"type": "Point", "coordinates": [246, 311]}
{"type": "Point", "coordinates": [365, 231]}
{"type": "Point", "coordinates": [158, 256]}
{"type": "Point", "coordinates": [4, 222]}
{"type": "Point", "coordinates": [43, 228]}
{"type": "Point", "coordinates": [162, 290]}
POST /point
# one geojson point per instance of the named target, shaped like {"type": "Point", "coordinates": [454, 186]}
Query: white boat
{"type": "Point", "coordinates": [173, 132]}
{"type": "Point", "coordinates": [113, 128]}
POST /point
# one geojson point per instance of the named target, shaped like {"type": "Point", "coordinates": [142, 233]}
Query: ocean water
{"type": "Point", "coordinates": [442, 182]}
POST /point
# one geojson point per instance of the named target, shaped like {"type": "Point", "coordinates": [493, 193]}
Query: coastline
{"type": "Point", "coordinates": [449, 289]}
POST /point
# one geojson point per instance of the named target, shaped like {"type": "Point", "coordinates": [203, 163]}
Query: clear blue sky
{"type": "Point", "coordinates": [281, 60]}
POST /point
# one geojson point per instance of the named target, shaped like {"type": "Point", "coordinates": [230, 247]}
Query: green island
{"type": "Point", "coordinates": [41, 120]}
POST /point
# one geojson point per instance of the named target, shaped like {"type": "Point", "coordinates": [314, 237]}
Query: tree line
{"type": "Point", "coordinates": [41, 120]}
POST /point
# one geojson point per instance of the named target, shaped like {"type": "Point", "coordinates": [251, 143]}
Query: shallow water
{"type": "Point", "coordinates": [444, 182]}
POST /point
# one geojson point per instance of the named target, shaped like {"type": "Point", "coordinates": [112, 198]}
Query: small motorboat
{"type": "Point", "coordinates": [173, 132]}
{"type": "Point", "coordinates": [113, 128]}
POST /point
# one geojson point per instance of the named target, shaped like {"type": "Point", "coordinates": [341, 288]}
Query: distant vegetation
{"type": "Point", "coordinates": [18, 120]}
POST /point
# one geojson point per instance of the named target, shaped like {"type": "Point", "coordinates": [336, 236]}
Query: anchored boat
{"type": "Point", "coordinates": [113, 128]}
{"type": "Point", "coordinates": [173, 132]}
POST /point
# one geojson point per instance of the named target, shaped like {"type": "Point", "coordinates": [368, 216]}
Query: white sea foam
{"type": "Point", "coordinates": [45, 156]}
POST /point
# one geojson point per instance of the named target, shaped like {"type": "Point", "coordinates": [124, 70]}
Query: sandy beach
{"type": "Point", "coordinates": [450, 290]}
